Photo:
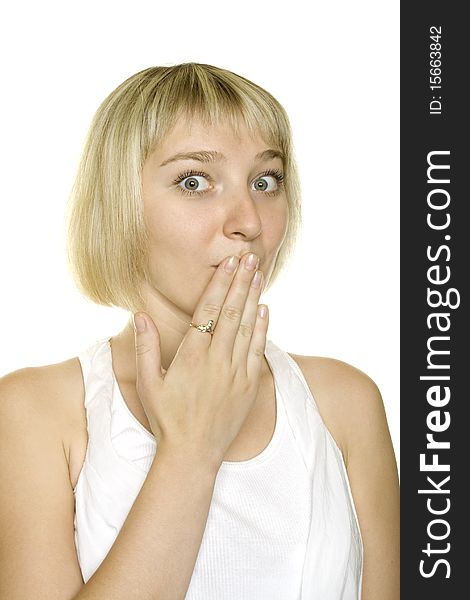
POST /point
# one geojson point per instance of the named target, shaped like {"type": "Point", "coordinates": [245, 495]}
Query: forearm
{"type": "Point", "coordinates": [154, 554]}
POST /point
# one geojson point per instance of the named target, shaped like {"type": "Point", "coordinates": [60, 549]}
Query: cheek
{"type": "Point", "coordinates": [176, 233]}
{"type": "Point", "coordinates": [178, 254]}
{"type": "Point", "coordinates": [179, 273]}
{"type": "Point", "coordinates": [276, 226]}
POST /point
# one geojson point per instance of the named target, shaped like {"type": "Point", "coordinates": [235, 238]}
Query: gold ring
{"type": "Point", "coordinates": [204, 328]}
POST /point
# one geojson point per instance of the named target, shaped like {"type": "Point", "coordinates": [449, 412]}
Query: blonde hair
{"type": "Point", "coordinates": [107, 239]}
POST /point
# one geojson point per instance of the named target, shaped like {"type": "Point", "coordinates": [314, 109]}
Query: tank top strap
{"type": "Point", "coordinates": [290, 372]}
{"type": "Point", "coordinates": [301, 410]}
{"type": "Point", "coordinates": [94, 363]}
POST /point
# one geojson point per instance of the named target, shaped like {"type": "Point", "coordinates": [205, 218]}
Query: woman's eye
{"type": "Point", "coordinates": [192, 183]}
{"type": "Point", "coordinates": [266, 183]}
{"type": "Point", "coordinates": [270, 182]}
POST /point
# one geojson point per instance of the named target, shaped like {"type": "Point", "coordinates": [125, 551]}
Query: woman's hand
{"type": "Point", "coordinates": [200, 403]}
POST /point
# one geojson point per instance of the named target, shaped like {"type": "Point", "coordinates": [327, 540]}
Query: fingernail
{"type": "Point", "coordinates": [139, 323]}
{"type": "Point", "coordinates": [231, 264]}
{"type": "Point", "coordinates": [262, 310]}
{"type": "Point", "coordinates": [251, 261]}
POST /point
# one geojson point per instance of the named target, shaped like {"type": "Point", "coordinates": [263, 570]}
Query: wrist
{"type": "Point", "coordinates": [188, 459]}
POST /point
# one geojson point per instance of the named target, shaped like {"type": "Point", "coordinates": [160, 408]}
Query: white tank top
{"type": "Point", "coordinates": [275, 529]}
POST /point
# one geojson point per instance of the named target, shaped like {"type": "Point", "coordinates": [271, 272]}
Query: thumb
{"type": "Point", "coordinates": [147, 353]}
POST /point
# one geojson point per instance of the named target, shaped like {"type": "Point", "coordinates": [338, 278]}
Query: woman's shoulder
{"type": "Point", "coordinates": [336, 375]}
{"type": "Point", "coordinates": [47, 399]}
{"type": "Point", "coordinates": [347, 398]}
{"type": "Point", "coordinates": [43, 385]}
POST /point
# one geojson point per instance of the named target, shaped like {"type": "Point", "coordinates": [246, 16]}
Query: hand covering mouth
{"type": "Point", "coordinates": [240, 256]}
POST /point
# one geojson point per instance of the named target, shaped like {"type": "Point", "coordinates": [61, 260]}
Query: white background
{"type": "Point", "coordinates": [334, 67]}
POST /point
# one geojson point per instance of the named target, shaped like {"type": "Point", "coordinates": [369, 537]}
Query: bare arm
{"type": "Point", "coordinates": [37, 551]}
{"type": "Point", "coordinates": [372, 472]}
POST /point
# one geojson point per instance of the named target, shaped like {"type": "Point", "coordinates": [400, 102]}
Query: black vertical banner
{"type": "Point", "coordinates": [435, 270]}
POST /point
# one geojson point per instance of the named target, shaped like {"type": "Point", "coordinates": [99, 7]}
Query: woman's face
{"type": "Point", "coordinates": [228, 199]}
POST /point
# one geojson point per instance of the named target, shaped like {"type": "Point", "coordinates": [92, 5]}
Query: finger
{"type": "Point", "coordinates": [148, 354]}
{"type": "Point", "coordinates": [248, 322]}
{"type": "Point", "coordinates": [258, 344]}
{"type": "Point", "coordinates": [228, 324]}
{"type": "Point", "coordinates": [211, 302]}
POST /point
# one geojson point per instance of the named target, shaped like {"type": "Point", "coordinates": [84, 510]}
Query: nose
{"type": "Point", "coordinates": [242, 217]}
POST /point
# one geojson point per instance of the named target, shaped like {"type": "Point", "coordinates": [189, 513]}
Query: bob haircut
{"type": "Point", "coordinates": [107, 239]}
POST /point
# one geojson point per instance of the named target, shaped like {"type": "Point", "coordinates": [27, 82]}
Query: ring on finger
{"type": "Point", "coordinates": [204, 327]}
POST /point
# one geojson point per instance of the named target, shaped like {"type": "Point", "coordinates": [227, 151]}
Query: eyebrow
{"type": "Point", "coordinates": [209, 156]}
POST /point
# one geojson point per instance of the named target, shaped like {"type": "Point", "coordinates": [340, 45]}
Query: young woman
{"type": "Point", "coordinates": [188, 456]}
